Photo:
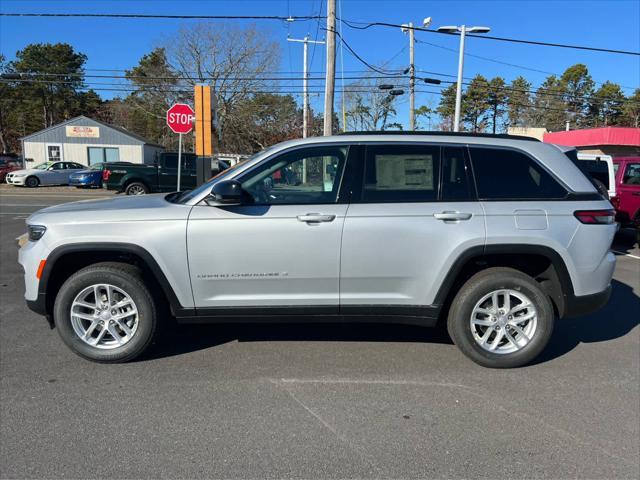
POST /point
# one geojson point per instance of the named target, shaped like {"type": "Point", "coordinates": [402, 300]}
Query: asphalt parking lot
{"type": "Point", "coordinates": [315, 401]}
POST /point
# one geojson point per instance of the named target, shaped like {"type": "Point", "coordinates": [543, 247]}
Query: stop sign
{"type": "Point", "coordinates": [180, 118]}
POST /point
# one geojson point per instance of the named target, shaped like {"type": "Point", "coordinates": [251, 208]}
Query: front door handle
{"type": "Point", "coordinates": [316, 218]}
{"type": "Point", "coordinates": [449, 216]}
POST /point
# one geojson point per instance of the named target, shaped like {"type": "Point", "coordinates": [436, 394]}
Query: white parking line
{"type": "Point", "coordinates": [626, 254]}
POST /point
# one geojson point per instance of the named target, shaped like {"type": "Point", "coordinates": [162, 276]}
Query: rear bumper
{"type": "Point", "coordinates": [578, 305]}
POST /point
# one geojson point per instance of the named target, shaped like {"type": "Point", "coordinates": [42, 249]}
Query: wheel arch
{"type": "Point", "coordinates": [542, 263]}
{"type": "Point", "coordinates": [68, 259]}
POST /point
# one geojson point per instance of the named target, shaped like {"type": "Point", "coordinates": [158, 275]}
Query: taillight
{"type": "Point", "coordinates": [105, 175]}
{"type": "Point", "coordinates": [596, 217]}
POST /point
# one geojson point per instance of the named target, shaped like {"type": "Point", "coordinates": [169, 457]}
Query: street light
{"type": "Point", "coordinates": [462, 30]}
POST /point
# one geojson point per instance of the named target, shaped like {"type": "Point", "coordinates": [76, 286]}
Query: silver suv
{"type": "Point", "coordinates": [496, 235]}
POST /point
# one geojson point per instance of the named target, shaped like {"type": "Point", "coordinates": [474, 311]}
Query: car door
{"type": "Point", "coordinates": [280, 249]}
{"type": "Point", "coordinates": [413, 212]}
{"type": "Point", "coordinates": [54, 175]}
{"type": "Point", "coordinates": [629, 190]}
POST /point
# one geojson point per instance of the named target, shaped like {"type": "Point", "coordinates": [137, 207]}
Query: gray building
{"type": "Point", "coordinates": [87, 141]}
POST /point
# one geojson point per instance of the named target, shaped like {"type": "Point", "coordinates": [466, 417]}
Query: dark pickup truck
{"type": "Point", "coordinates": [161, 176]}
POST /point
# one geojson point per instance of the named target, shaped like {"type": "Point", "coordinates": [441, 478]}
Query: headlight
{"type": "Point", "coordinates": [36, 232]}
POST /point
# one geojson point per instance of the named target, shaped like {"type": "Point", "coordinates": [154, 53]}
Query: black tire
{"type": "Point", "coordinates": [483, 283]}
{"type": "Point", "coordinates": [32, 182]}
{"type": "Point", "coordinates": [136, 188]}
{"type": "Point", "coordinates": [129, 279]}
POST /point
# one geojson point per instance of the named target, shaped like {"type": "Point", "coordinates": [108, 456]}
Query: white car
{"type": "Point", "coordinates": [48, 173]}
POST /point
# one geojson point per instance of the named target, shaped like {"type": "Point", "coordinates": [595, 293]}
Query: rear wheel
{"type": "Point", "coordinates": [105, 313]}
{"type": "Point", "coordinates": [136, 188]}
{"type": "Point", "coordinates": [32, 182]}
{"type": "Point", "coordinates": [501, 318]}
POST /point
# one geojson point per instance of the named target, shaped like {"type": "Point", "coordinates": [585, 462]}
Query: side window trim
{"type": "Point", "coordinates": [567, 190]}
{"type": "Point", "coordinates": [471, 179]}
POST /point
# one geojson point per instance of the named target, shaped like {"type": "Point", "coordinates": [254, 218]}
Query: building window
{"type": "Point", "coordinates": [103, 154]}
{"type": "Point", "coordinates": [54, 153]}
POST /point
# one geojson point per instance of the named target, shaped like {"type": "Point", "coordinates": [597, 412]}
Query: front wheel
{"type": "Point", "coordinates": [501, 318]}
{"type": "Point", "coordinates": [32, 182]}
{"type": "Point", "coordinates": [105, 313]}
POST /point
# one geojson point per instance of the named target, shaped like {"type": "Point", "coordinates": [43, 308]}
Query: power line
{"type": "Point", "coordinates": [365, 26]}
{"type": "Point", "coordinates": [151, 16]}
{"type": "Point", "coordinates": [489, 59]}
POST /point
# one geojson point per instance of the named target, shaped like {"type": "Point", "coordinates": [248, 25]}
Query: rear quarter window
{"type": "Point", "coordinates": [503, 174]}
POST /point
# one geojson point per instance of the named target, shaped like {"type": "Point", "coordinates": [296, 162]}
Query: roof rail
{"type": "Point", "coordinates": [442, 134]}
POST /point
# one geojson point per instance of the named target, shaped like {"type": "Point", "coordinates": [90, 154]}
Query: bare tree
{"type": "Point", "coordinates": [368, 107]}
{"type": "Point", "coordinates": [231, 59]}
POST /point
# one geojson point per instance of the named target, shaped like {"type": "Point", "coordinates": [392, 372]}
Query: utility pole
{"type": "Point", "coordinates": [408, 28]}
{"type": "Point", "coordinates": [305, 82]}
{"type": "Point", "coordinates": [412, 81]}
{"type": "Point", "coordinates": [330, 79]}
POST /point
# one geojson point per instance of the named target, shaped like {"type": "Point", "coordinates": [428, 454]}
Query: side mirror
{"type": "Point", "coordinates": [226, 192]}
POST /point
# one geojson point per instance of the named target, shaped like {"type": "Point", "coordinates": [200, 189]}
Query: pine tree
{"type": "Point", "coordinates": [519, 102]}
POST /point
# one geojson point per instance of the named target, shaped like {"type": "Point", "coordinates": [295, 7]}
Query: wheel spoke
{"type": "Point", "coordinates": [486, 335]}
{"type": "Point", "coordinates": [97, 340]}
{"type": "Point", "coordinates": [84, 316]}
{"type": "Point", "coordinates": [494, 300]}
{"type": "Point", "coordinates": [482, 322]}
{"type": "Point", "coordinates": [124, 327]}
{"type": "Point", "coordinates": [484, 311]}
{"type": "Point", "coordinates": [91, 328]}
{"type": "Point", "coordinates": [496, 339]}
{"type": "Point", "coordinates": [520, 332]}
{"type": "Point", "coordinates": [522, 306]}
{"type": "Point", "coordinates": [123, 315]}
{"type": "Point", "coordinates": [510, 338]}
{"type": "Point", "coordinates": [114, 333]}
{"type": "Point", "coordinates": [522, 318]}
{"type": "Point", "coordinates": [507, 302]}
{"type": "Point", "coordinates": [84, 304]}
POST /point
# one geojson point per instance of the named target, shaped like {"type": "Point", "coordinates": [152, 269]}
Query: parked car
{"type": "Point", "coordinates": [8, 164]}
{"type": "Point", "coordinates": [601, 169]}
{"type": "Point", "coordinates": [627, 199]}
{"type": "Point", "coordinates": [92, 176]}
{"type": "Point", "coordinates": [48, 173]}
{"type": "Point", "coordinates": [411, 228]}
{"type": "Point", "coordinates": [162, 176]}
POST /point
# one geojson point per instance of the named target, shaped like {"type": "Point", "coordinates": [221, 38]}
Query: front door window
{"type": "Point", "coordinates": [302, 177]}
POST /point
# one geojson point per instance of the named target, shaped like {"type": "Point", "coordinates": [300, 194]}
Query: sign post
{"type": "Point", "coordinates": [180, 120]}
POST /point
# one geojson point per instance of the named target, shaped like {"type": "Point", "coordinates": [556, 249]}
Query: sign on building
{"type": "Point", "coordinates": [84, 132]}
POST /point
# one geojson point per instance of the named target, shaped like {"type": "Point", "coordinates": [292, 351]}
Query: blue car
{"type": "Point", "coordinates": [91, 177]}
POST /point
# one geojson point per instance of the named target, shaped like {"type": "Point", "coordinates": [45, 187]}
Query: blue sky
{"type": "Point", "coordinates": [119, 43]}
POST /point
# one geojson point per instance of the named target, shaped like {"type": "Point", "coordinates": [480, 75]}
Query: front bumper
{"type": "Point", "coordinates": [578, 305]}
{"type": "Point", "coordinates": [15, 180]}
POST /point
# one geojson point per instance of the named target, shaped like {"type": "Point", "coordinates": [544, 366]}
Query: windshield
{"type": "Point", "coordinates": [184, 197]}
{"type": "Point", "coordinates": [43, 166]}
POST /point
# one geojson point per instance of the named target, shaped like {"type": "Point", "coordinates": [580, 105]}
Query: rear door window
{"type": "Point", "coordinates": [503, 174]}
{"type": "Point", "coordinates": [401, 173]}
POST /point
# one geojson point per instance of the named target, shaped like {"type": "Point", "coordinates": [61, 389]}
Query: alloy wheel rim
{"type": "Point", "coordinates": [104, 316]}
{"type": "Point", "coordinates": [504, 321]}
{"type": "Point", "coordinates": [136, 190]}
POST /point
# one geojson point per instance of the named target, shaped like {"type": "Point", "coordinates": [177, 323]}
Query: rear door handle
{"type": "Point", "coordinates": [316, 218]}
{"type": "Point", "coordinates": [452, 216]}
